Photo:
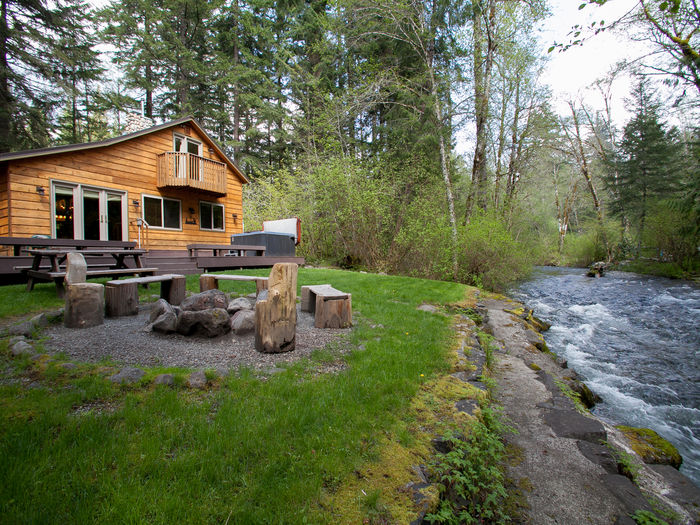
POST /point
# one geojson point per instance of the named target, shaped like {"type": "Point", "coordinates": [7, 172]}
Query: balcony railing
{"type": "Point", "coordinates": [186, 170]}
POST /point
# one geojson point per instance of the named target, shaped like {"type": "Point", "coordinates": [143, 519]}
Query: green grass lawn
{"type": "Point", "coordinates": [249, 450]}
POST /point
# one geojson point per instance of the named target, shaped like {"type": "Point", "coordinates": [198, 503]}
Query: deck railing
{"type": "Point", "coordinates": [177, 169]}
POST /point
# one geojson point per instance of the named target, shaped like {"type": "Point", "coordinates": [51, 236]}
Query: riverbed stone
{"type": "Point", "coordinates": [127, 375]}
{"type": "Point", "coordinates": [627, 492]}
{"type": "Point", "coordinates": [205, 301]}
{"type": "Point", "coordinates": [683, 490]}
{"type": "Point", "coordinates": [598, 454]}
{"type": "Point", "coordinates": [571, 424]}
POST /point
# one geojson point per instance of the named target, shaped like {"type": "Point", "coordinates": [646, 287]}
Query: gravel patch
{"type": "Point", "coordinates": [124, 340]}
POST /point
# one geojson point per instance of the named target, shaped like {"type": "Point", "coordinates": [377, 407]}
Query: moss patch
{"type": "Point", "coordinates": [651, 447]}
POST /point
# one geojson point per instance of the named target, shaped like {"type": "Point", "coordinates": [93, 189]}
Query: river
{"type": "Point", "coordinates": [635, 341]}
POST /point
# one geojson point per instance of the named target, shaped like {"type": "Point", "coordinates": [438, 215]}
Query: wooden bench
{"type": "Point", "coordinates": [59, 276]}
{"type": "Point", "coordinates": [122, 297]}
{"type": "Point", "coordinates": [331, 308]}
{"type": "Point", "coordinates": [210, 281]}
{"type": "Point", "coordinates": [225, 250]}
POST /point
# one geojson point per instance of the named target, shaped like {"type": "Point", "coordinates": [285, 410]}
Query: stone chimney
{"type": "Point", "coordinates": [136, 122]}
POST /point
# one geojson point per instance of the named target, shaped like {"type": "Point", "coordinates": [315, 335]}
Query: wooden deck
{"type": "Point", "coordinates": [167, 261]}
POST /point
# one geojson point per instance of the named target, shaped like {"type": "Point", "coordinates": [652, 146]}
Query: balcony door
{"type": "Point", "coordinates": [84, 212]}
{"type": "Point", "coordinates": [188, 165]}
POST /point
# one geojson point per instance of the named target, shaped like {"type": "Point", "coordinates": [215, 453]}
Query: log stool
{"type": "Point", "coordinates": [85, 305]}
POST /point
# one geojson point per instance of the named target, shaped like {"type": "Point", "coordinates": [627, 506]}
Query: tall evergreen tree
{"type": "Point", "coordinates": [647, 161]}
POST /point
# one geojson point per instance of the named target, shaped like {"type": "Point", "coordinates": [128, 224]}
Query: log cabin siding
{"type": "Point", "coordinates": [128, 166]}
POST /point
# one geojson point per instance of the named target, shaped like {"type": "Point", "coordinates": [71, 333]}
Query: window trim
{"type": "Point", "coordinates": [162, 211]}
{"type": "Point", "coordinates": [185, 138]}
{"type": "Point", "coordinates": [223, 216]}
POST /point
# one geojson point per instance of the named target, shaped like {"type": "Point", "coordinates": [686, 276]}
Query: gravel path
{"type": "Point", "coordinates": [124, 340]}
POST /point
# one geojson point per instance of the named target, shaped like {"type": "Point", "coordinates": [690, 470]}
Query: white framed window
{"type": "Point", "coordinates": [185, 144]}
{"type": "Point", "coordinates": [161, 212]}
{"type": "Point", "coordinates": [211, 216]}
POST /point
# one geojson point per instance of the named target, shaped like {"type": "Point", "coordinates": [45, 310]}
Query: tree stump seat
{"type": "Point", "coordinates": [122, 296]}
{"type": "Point", "coordinates": [210, 281]}
{"type": "Point", "coordinates": [331, 308]}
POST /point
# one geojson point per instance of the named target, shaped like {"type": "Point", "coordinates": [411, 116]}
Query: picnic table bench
{"type": "Point", "coordinates": [227, 250]}
{"type": "Point", "coordinates": [331, 308]}
{"type": "Point", "coordinates": [114, 266]}
{"type": "Point", "coordinates": [21, 244]}
{"type": "Point", "coordinates": [210, 281]}
{"type": "Point", "coordinates": [122, 296]}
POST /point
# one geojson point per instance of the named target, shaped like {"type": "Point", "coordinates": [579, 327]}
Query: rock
{"type": "Point", "coordinates": [561, 362]}
{"type": "Point", "coordinates": [211, 323]}
{"type": "Point", "coordinates": [16, 339]}
{"type": "Point", "coordinates": [429, 308]}
{"type": "Point", "coordinates": [127, 375]}
{"type": "Point", "coordinates": [166, 323]}
{"type": "Point", "coordinates": [535, 339]}
{"type": "Point", "coordinates": [24, 329]}
{"type": "Point", "coordinates": [598, 454]}
{"type": "Point", "coordinates": [597, 269]}
{"type": "Point", "coordinates": [588, 397]}
{"type": "Point", "coordinates": [40, 320]}
{"type": "Point", "coordinates": [205, 301]}
{"type": "Point", "coordinates": [683, 490]}
{"type": "Point", "coordinates": [159, 308]}
{"type": "Point", "coordinates": [85, 305]}
{"type": "Point", "coordinates": [76, 268]}
{"type": "Point", "coordinates": [164, 379]}
{"type": "Point", "coordinates": [67, 366]}
{"type": "Point", "coordinates": [237, 304]}
{"type": "Point", "coordinates": [243, 322]}
{"type": "Point", "coordinates": [22, 348]}
{"type": "Point", "coordinates": [627, 492]}
{"type": "Point", "coordinates": [571, 424]}
{"type": "Point", "coordinates": [652, 448]}
{"type": "Point", "coordinates": [197, 380]}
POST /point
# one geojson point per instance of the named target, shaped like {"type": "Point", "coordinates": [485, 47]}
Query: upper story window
{"type": "Point", "coordinates": [160, 212]}
{"type": "Point", "coordinates": [211, 216]}
{"type": "Point", "coordinates": [187, 145]}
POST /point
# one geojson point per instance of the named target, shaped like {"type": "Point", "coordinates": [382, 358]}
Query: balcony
{"type": "Point", "coordinates": [186, 170]}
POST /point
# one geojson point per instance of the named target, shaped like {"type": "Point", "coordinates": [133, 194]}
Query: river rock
{"type": "Point", "coordinates": [164, 379]}
{"type": "Point", "coordinates": [237, 304]}
{"type": "Point", "coordinates": [243, 322]}
{"type": "Point", "coordinates": [159, 308]}
{"type": "Point", "coordinates": [211, 323]}
{"type": "Point", "coordinates": [571, 424]}
{"type": "Point", "coordinates": [166, 323]}
{"type": "Point", "coordinates": [205, 301]}
{"type": "Point", "coordinates": [127, 375]}
{"type": "Point", "coordinates": [651, 447]}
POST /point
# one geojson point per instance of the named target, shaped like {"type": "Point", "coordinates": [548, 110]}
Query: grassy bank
{"type": "Point", "coordinates": [251, 449]}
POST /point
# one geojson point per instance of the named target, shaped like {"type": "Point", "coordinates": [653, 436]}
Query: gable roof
{"type": "Point", "coordinates": [31, 153]}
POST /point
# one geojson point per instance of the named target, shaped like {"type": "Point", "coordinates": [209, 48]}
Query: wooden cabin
{"type": "Point", "coordinates": [164, 187]}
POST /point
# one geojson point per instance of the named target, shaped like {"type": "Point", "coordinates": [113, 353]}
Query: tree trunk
{"type": "Point", "coordinates": [5, 95]}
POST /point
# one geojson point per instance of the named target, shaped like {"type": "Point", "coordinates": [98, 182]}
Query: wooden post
{"type": "Point", "coordinates": [122, 299]}
{"type": "Point", "coordinates": [333, 312]}
{"type": "Point", "coordinates": [173, 290]}
{"type": "Point", "coordinates": [276, 311]}
{"type": "Point", "coordinates": [207, 282]}
{"type": "Point", "coordinates": [260, 285]}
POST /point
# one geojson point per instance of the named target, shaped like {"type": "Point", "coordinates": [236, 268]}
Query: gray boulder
{"type": "Point", "coordinates": [240, 303]}
{"type": "Point", "coordinates": [159, 308]}
{"type": "Point", "coordinates": [127, 375]}
{"type": "Point", "coordinates": [166, 323]}
{"type": "Point", "coordinates": [243, 322]}
{"type": "Point", "coordinates": [22, 348]}
{"type": "Point", "coordinates": [211, 323]}
{"type": "Point", "coordinates": [24, 329]}
{"type": "Point", "coordinates": [76, 268]}
{"type": "Point", "coordinates": [205, 301]}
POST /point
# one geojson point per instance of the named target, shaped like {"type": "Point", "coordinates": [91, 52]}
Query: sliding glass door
{"type": "Point", "coordinates": [83, 212]}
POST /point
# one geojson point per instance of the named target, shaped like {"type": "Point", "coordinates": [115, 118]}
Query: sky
{"type": "Point", "coordinates": [570, 73]}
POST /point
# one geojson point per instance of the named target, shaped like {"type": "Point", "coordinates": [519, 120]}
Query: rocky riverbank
{"type": "Point", "coordinates": [570, 466]}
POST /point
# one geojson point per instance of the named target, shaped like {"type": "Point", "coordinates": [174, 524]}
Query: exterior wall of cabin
{"type": "Point", "coordinates": [4, 203]}
{"type": "Point", "coordinates": [129, 166]}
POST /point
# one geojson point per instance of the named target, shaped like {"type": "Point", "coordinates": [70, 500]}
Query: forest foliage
{"type": "Point", "coordinates": [409, 136]}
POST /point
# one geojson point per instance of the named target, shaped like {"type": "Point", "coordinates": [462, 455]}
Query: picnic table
{"type": "Point", "coordinates": [23, 244]}
{"type": "Point", "coordinates": [115, 263]}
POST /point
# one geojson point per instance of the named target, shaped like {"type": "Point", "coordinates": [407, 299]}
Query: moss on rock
{"type": "Point", "coordinates": [651, 447]}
